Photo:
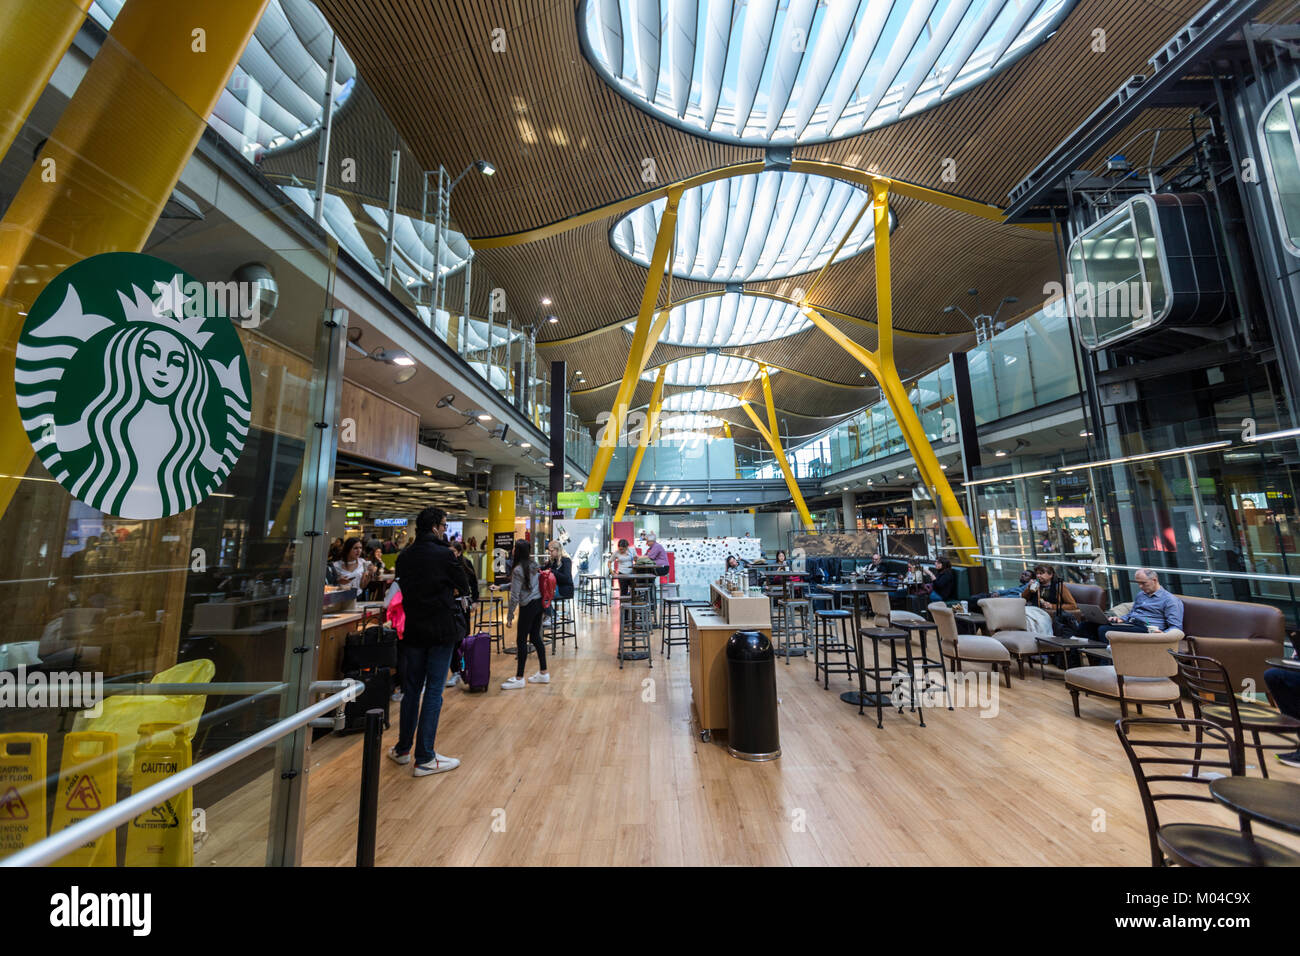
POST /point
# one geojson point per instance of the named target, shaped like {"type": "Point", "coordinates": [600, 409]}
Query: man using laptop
{"type": "Point", "coordinates": [1153, 607]}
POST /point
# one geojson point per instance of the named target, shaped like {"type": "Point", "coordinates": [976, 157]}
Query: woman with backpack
{"type": "Point", "coordinates": [526, 594]}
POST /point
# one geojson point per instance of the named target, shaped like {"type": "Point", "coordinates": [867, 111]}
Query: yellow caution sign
{"type": "Point", "coordinates": [161, 835]}
{"type": "Point", "coordinates": [87, 784]}
{"type": "Point", "coordinates": [22, 791]}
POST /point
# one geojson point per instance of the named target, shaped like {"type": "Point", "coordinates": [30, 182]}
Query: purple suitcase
{"type": "Point", "coordinates": [476, 650]}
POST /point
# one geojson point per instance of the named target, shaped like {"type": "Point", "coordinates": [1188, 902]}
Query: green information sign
{"type": "Point", "coordinates": [577, 499]}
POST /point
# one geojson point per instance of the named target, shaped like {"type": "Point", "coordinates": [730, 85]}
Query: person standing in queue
{"type": "Point", "coordinates": [432, 580]}
{"type": "Point", "coordinates": [526, 594]}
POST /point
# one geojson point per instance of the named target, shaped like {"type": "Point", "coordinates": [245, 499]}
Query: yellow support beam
{"type": "Point", "coordinates": [111, 162]}
{"type": "Point", "coordinates": [643, 442]}
{"type": "Point", "coordinates": [34, 36]}
{"type": "Point", "coordinates": [881, 365]}
{"type": "Point", "coordinates": [772, 436]}
{"type": "Point", "coordinates": [637, 354]}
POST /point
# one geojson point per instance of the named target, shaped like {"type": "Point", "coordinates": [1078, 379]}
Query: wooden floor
{"type": "Point", "coordinates": [605, 767]}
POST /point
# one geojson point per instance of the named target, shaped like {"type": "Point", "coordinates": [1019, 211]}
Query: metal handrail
{"type": "Point", "coordinates": [65, 841]}
{"type": "Point", "coordinates": [1101, 566]}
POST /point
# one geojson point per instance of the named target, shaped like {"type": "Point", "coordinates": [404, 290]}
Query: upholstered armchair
{"type": "Point", "coordinates": [1142, 672]}
{"type": "Point", "coordinates": [975, 648]}
{"type": "Point", "coordinates": [1007, 623]}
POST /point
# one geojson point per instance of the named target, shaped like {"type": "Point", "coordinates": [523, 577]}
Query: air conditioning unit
{"type": "Point", "coordinates": [1154, 261]}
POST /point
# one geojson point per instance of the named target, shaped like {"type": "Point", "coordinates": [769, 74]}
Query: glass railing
{"type": "Point", "coordinates": [1025, 367]}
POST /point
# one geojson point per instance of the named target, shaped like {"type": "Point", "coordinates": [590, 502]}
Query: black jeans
{"type": "Point", "coordinates": [530, 631]}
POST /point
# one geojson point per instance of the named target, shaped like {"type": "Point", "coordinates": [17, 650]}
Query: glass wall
{"type": "Point", "coordinates": [198, 570]}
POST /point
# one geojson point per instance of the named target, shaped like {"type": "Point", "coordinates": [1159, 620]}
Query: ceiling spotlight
{"type": "Point", "coordinates": [1000, 453]}
{"type": "Point", "coordinates": [862, 375]}
{"type": "Point", "coordinates": [446, 400]}
{"type": "Point", "coordinates": [902, 477]}
{"type": "Point", "coordinates": [525, 444]}
{"type": "Point", "coordinates": [567, 475]}
{"type": "Point", "coordinates": [393, 356]}
{"type": "Point", "coordinates": [485, 167]}
{"type": "Point", "coordinates": [546, 301]}
{"type": "Point", "coordinates": [1085, 434]}
{"type": "Point", "coordinates": [548, 463]}
{"type": "Point", "coordinates": [552, 319]}
{"type": "Point", "coordinates": [484, 417]}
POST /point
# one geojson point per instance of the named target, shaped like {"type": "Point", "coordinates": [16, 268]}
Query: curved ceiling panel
{"type": "Point", "coordinates": [788, 72]}
{"type": "Point", "coordinates": [699, 400]}
{"type": "Point", "coordinates": [690, 422]}
{"type": "Point", "coordinates": [706, 370]}
{"type": "Point", "coordinates": [749, 228]}
{"type": "Point", "coordinates": [273, 97]}
{"type": "Point", "coordinates": [729, 320]}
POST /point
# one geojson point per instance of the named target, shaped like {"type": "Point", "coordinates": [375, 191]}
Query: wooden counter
{"type": "Point", "coordinates": [334, 628]}
{"type": "Point", "coordinates": [709, 633]}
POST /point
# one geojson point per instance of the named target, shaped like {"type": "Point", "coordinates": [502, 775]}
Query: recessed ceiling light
{"type": "Point", "coordinates": [546, 301]}
{"type": "Point", "coordinates": [1000, 453]}
{"type": "Point", "coordinates": [552, 319]}
{"type": "Point", "coordinates": [484, 417]}
{"type": "Point", "coordinates": [525, 444]}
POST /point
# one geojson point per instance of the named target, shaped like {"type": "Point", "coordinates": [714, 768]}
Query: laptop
{"type": "Point", "coordinates": [1093, 614]}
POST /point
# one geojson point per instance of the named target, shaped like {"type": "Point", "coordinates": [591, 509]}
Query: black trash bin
{"type": "Point", "coordinates": [752, 732]}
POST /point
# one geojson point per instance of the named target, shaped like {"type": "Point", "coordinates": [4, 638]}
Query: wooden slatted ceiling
{"type": "Point", "coordinates": [564, 142]}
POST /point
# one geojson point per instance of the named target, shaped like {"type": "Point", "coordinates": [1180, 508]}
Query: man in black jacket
{"type": "Point", "coordinates": [432, 579]}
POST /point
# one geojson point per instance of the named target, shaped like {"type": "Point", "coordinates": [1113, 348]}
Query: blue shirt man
{"type": "Point", "coordinates": [1153, 607]}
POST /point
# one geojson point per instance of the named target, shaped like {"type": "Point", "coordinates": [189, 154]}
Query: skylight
{"type": "Point", "coordinates": [731, 319]}
{"type": "Point", "coordinates": [766, 225]}
{"type": "Point", "coordinates": [690, 422]}
{"type": "Point", "coordinates": [707, 370]}
{"type": "Point", "coordinates": [786, 72]}
{"type": "Point", "coordinates": [698, 400]}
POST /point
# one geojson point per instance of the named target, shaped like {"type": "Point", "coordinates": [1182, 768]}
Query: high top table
{"type": "Point", "coordinates": [858, 698]}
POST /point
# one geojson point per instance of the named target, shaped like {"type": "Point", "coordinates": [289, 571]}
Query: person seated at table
{"type": "Point", "coordinates": [911, 581]}
{"type": "Point", "coordinates": [1154, 607]}
{"type": "Point", "coordinates": [876, 568]}
{"type": "Point", "coordinates": [943, 580]}
{"type": "Point", "coordinates": [1048, 591]}
{"type": "Point", "coordinates": [781, 562]}
{"type": "Point", "coordinates": [1284, 687]}
{"type": "Point", "coordinates": [1014, 591]}
{"type": "Point", "coordinates": [624, 556]}
{"type": "Point", "coordinates": [657, 553]}
{"type": "Point", "coordinates": [733, 563]}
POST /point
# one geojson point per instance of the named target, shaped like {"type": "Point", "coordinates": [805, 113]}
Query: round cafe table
{"type": "Point", "coordinates": [860, 697]}
{"type": "Point", "coordinates": [1272, 802]}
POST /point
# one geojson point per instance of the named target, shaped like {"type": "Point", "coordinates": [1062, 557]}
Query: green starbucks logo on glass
{"type": "Point", "coordinates": [136, 401]}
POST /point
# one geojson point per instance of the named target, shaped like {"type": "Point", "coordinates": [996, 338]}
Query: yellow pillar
{"type": "Point", "coordinates": [112, 161]}
{"type": "Point", "coordinates": [639, 353]}
{"type": "Point", "coordinates": [34, 36]}
{"type": "Point", "coordinates": [501, 520]}
{"type": "Point", "coordinates": [652, 422]}
{"type": "Point", "coordinates": [773, 439]}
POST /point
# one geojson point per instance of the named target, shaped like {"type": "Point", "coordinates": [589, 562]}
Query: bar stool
{"type": "Point", "coordinates": [561, 626]}
{"type": "Point", "coordinates": [892, 636]}
{"type": "Point", "coordinates": [635, 627]}
{"type": "Point", "coordinates": [834, 635]}
{"type": "Point", "coordinates": [775, 595]}
{"type": "Point", "coordinates": [491, 620]}
{"type": "Point", "coordinates": [674, 621]}
{"type": "Point", "coordinates": [795, 636]}
{"type": "Point", "coordinates": [818, 601]}
{"type": "Point", "coordinates": [927, 663]}
{"type": "Point", "coordinates": [666, 591]}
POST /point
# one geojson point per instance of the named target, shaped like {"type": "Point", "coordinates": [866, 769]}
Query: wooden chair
{"type": "Point", "coordinates": [1191, 844]}
{"type": "Point", "coordinates": [1211, 690]}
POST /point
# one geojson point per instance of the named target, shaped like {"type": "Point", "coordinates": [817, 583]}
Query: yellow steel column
{"type": "Point", "coordinates": [638, 354]}
{"type": "Point", "coordinates": [891, 386]}
{"type": "Point", "coordinates": [647, 432]}
{"type": "Point", "coordinates": [112, 160]}
{"type": "Point", "coordinates": [774, 442]}
{"type": "Point", "coordinates": [34, 36]}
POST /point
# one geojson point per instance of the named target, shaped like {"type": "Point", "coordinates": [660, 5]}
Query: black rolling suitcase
{"type": "Point", "coordinates": [377, 694]}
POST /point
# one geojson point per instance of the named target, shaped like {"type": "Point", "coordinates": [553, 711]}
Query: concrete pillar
{"type": "Point", "coordinates": [849, 502]}
{"type": "Point", "coordinates": [501, 519]}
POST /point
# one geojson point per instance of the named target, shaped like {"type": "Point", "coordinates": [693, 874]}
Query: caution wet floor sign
{"type": "Point", "coordinates": [87, 784]}
{"type": "Point", "coordinates": [22, 791]}
{"type": "Point", "coordinates": [161, 835]}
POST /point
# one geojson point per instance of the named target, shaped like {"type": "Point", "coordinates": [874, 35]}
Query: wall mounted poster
{"type": "Point", "coordinates": [502, 544]}
{"type": "Point", "coordinates": [583, 539]}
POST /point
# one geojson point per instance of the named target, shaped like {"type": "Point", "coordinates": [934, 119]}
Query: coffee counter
{"type": "Point", "coordinates": [709, 632]}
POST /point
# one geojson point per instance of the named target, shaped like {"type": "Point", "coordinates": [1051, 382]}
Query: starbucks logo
{"type": "Point", "coordinates": [134, 397]}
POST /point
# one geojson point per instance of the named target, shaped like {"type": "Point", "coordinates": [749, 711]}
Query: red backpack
{"type": "Point", "coordinates": [546, 584]}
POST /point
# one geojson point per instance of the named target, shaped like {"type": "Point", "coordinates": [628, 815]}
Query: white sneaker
{"type": "Point", "coordinates": [540, 678]}
{"type": "Point", "coordinates": [439, 764]}
{"type": "Point", "coordinates": [399, 758]}
{"type": "Point", "coordinates": [451, 681]}
{"type": "Point", "coordinates": [513, 683]}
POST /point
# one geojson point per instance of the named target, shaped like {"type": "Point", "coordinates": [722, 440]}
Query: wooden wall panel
{"type": "Point", "coordinates": [385, 432]}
